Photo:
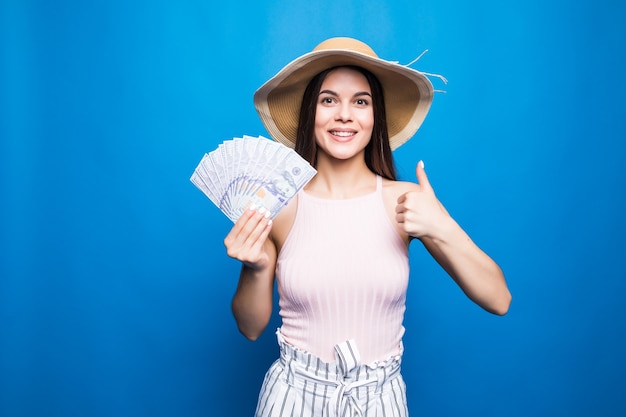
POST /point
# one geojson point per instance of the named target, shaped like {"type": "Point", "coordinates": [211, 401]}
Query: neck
{"type": "Point", "coordinates": [338, 179]}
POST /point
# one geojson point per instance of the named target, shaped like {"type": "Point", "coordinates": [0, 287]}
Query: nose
{"type": "Point", "coordinates": [344, 112]}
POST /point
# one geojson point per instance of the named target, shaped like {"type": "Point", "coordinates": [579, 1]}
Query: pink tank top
{"type": "Point", "coordinates": [342, 274]}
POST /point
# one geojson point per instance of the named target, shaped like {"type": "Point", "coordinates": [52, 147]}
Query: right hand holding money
{"type": "Point", "coordinates": [247, 239]}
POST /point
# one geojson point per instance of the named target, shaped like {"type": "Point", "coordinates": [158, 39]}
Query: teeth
{"type": "Point", "coordinates": [342, 134]}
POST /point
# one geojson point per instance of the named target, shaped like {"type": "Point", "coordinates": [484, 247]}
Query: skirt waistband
{"type": "Point", "coordinates": [347, 364]}
{"type": "Point", "coordinates": [344, 377]}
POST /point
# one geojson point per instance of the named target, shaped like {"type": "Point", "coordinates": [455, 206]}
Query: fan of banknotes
{"type": "Point", "coordinates": [247, 171]}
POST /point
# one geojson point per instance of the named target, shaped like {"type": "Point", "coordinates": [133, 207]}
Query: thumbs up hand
{"type": "Point", "coordinates": [419, 212]}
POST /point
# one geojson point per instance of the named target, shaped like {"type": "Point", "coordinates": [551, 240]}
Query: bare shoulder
{"type": "Point", "coordinates": [282, 223]}
{"type": "Point", "coordinates": [394, 189]}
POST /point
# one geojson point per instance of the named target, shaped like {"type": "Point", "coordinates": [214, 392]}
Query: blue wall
{"type": "Point", "coordinates": [114, 284]}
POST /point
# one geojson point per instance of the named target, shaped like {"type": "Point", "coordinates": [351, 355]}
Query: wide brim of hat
{"type": "Point", "coordinates": [408, 93]}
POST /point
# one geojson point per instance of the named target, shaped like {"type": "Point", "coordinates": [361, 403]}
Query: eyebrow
{"type": "Point", "coordinates": [332, 93]}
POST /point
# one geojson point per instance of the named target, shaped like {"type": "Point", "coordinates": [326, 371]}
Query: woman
{"type": "Point", "coordinates": [339, 249]}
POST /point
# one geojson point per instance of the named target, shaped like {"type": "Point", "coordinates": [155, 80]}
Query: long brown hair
{"type": "Point", "coordinates": [378, 157]}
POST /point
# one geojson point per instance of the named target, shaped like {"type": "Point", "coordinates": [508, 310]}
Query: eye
{"type": "Point", "coordinates": [362, 102]}
{"type": "Point", "coordinates": [327, 100]}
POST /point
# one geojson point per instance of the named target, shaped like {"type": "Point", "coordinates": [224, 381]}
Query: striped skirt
{"type": "Point", "coordinates": [300, 384]}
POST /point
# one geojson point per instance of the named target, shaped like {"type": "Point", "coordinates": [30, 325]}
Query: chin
{"type": "Point", "coordinates": [343, 156]}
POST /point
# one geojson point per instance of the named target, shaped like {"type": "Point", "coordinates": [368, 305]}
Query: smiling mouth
{"type": "Point", "coordinates": [342, 134]}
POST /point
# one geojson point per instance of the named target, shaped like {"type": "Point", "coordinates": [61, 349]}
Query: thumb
{"type": "Point", "coordinates": [422, 179]}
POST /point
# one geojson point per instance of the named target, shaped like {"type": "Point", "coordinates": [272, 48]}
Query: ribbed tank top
{"type": "Point", "coordinates": [342, 274]}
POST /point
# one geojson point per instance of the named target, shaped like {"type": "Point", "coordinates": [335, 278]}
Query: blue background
{"type": "Point", "coordinates": [115, 286]}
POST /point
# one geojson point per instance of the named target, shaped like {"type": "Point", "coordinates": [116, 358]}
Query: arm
{"type": "Point", "coordinates": [480, 278]}
{"type": "Point", "coordinates": [249, 242]}
{"type": "Point", "coordinates": [422, 216]}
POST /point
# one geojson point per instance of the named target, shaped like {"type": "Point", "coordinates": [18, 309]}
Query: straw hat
{"type": "Point", "coordinates": [408, 93]}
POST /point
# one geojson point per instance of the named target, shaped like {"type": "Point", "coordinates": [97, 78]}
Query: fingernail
{"type": "Point", "coordinates": [252, 207]}
{"type": "Point", "coordinates": [267, 214]}
{"type": "Point", "coordinates": [262, 210]}
{"type": "Point", "coordinates": [422, 164]}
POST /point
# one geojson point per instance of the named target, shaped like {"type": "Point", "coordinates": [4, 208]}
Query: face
{"type": "Point", "coordinates": [344, 117]}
